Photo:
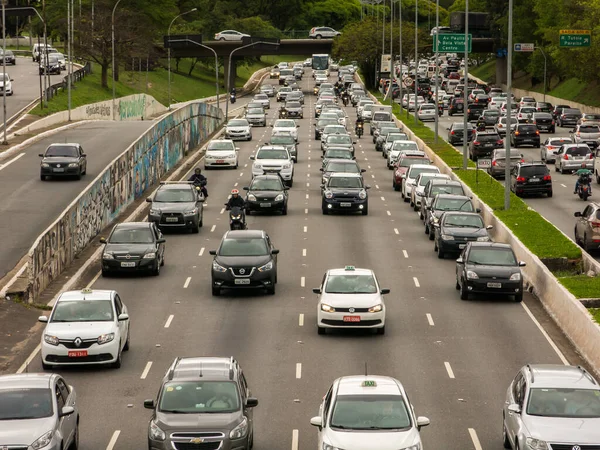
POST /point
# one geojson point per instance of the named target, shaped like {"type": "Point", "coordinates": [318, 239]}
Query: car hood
{"type": "Point", "coordinates": [493, 271]}
{"type": "Point", "coordinates": [465, 232]}
{"type": "Point", "coordinates": [351, 300]}
{"type": "Point", "coordinates": [563, 429]}
{"type": "Point", "coordinates": [265, 195]}
{"type": "Point", "coordinates": [380, 440]}
{"type": "Point", "coordinates": [238, 128]}
{"type": "Point", "coordinates": [173, 207]}
{"type": "Point", "coordinates": [198, 422]}
{"type": "Point", "coordinates": [83, 330]}
{"type": "Point", "coordinates": [131, 249]}
{"type": "Point", "coordinates": [243, 261]}
{"type": "Point", "coordinates": [345, 190]}
{"type": "Point", "coordinates": [59, 159]}
{"type": "Point", "coordinates": [25, 432]}
{"type": "Point", "coordinates": [272, 162]}
{"type": "Point", "coordinates": [253, 116]}
{"type": "Point", "coordinates": [286, 129]}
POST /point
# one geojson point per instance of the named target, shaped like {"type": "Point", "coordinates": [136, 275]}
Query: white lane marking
{"type": "Point", "coordinates": [309, 166]}
{"type": "Point", "coordinates": [449, 370]}
{"type": "Point", "coordinates": [3, 166]}
{"type": "Point", "coordinates": [396, 231]}
{"type": "Point", "coordinates": [113, 440]}
{"type": "Point", "coordinates": [93, 281]}
{"type": "Point", "coordinates": [307, 196]}
{"type": "Point", "coordinates": [222, 210]}
{"type": "Point", "coordinates": [187, 282]}
{"type": "Point", "coordinates": [307, 184]}
{"type": "Point", "coordinates": [368, 167]}
{"type": "Point", "coordinates": [562, 357]}
{"type": "Point", "coordinates": [306, 229]}
{"type": "Point", "coordinates": [308, 175]}
{"type": "Point", "coordinates": [430, 319]}
{"type": "Point", "coordinates": [146, 370]}
{"type": "Point", "coordinates": [294, 439]}
{"type": "Point", "coordinates": [383, 199]}
{"type": "Point", "coordinates": [169, 320]}
{"type": "Point", "coordinates": [388, 213]}
{"type": "Point", "coordinates": [301, 320]}
{"type": "Point", "coordinates": [475, 439]}
{"type": "Point", "coordinates": [366, 159]}
{"type": "Point", "coordinates": [305, 210]}
{"type": "Point", "coordinates": [29, 359]}
{"type": "Point", "coordinates": [213, 228]}
{"type": "Point", "coordinates": [372, 176]}
{"type": "Point", "coordinates": [563, 185]}
{"type": "Point", "coordinates": [416, 282]}
{"type": "Point", "coordinates": [245, 165]}
{"type": "Point", "coordinates": [201, 252]}
{"type": "Point", "coordinates": [235, 185]}
{"type": "Point", "coordinates": [298, 370]}
{"type": "Point", "coordinates": [241, 174]}
{"type": "Point", "coordinates": [376, 186]}
{"type": "Point", "coordinates": [303, 252]}
{"type": "Point", "coordinates": [302, 281]}
{"type": "Point", "coordinates": [405, 253]}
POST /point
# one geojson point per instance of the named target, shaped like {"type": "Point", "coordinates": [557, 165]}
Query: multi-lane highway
{"type": "Point", "coordinates": [455, 358]}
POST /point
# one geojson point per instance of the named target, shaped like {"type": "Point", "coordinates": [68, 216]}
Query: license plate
{"type": "Point", "coordinates": [494, 285]}
{"type": "Point", "coordinates": [351, 318]}
{"type": "Point", "coordinates": [345, 205]}
{"type": "Point", "coordinates": [243, 281]}
{"type": "Point", "coordinates": [534, 180]}
{"type": "Point", "coordinates": [265, 205]}
{"type": "Point", "coordinates": [172, 219]}
{"type": "Point", "coordinates": [527, 140]}
{"type": "Point", "coordinates": [127, 264]}
{"type": "Point", "coordinates": [220, 161]}
{"type": "Point", "coordinates": [461, 246]}
{"type": "Point", "coordinates": [58, 170]}
{"type": "Point", "coordinates": [489, 145]}
{"type": "Point", "coordinates": [78, 353]}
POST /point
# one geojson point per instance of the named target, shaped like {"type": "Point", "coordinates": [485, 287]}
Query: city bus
{"type": "Point", "coordinates": [320, 62]}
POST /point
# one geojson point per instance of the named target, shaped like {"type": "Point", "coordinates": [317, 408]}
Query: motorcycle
{"type": "Point", "coordinates": [201, 190]}
{"type": "Point", "coordinates": [481, 126]}
{"type": "Point", "coordinates": [283, 114]}
{"type": "Point", "coordinates": [232, 98]}
{"type": "Point", "coordinates": [584, 188]}
{"type": "Point", "coordinates": [359, 130]}
{"type": "Point", "coordinates": [345, 99]}
{"type": "Point", "coordinates": [237, 218]}
{"type": "Point", "coordinates": [441, 109]}
{"type": "Point", "coordinates": [315, 90]}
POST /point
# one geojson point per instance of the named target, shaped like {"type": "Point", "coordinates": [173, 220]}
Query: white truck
{"type": "Point", "coordinates": [380, 113]}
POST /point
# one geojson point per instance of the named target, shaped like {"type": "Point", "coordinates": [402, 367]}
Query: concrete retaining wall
{"type": "Point", "coordinates": [554, 100]}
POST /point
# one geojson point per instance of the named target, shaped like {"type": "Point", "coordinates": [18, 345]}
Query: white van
{"type": "Point", "coordinates": [35, 52]}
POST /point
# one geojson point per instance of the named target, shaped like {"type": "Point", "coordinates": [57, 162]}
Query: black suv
{"type": "Point", "coordinates": [456, 133]}
{"type": "Point", "coordinates": [544, 121]}
{"type": "Point", "coordinates": [245, 259]}
{"type": "Point", "coordinates": [345, 192]}
{"type": "Point", "coordinates": [176, 205]}
{"type": "Point", "coordinates": [202, 403]}
{"type": "Point", "coordinates": [525, 134]}
{"type": "Point", "coordinates": [474, 110]}
{"type": "Point", "coordinates": [267, 193]}
{"type": "Point", "coordinates": [531, 178]}
{"type": "Point", "coordinates": [456, 106]}
{"type": "Point", "coordinates": [63, 160]}
{"type": "Point", "coordinates": [484, 144]}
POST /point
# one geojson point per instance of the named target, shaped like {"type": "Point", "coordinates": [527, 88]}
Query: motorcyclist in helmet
{"type": "Point", "coordinates": [199, 180]}
{"type": "Point", "coordinates": [583, 172]}
{"type": "Point", "coordinates": [481, 124]}
{"type": "Point", "coordinates": [235, 200]}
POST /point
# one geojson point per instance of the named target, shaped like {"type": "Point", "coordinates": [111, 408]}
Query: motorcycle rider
{"type": "Point", "coordinates": [581, 173]}
{"type": "Point", "coordinates": [236, 200]}
{"type": "Point", "coordinates": [360, 123]}
{"type": "Point", "coordinates": [200, 180]}
{"type": "Point", "coordinates": [481, 124]}
{"type": "Point", "coordinates": [232, 95]}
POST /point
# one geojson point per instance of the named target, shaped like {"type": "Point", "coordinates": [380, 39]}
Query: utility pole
{"type": "Point", "coordinates": [4, 81]}
{"type": "Point", "coordinates": [416, 60]}
{"type": "Point", "coordinates": [508, 106]}
{"type": "Point", "coordinates": [466, 91]}
{"type": "Point", "coordinates": [69, 38]}
{"type": "Point", "coordinates": [437, 69]}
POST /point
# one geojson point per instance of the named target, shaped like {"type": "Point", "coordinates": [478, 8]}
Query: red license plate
{"type": "Point", "coordinates": [220, 161]}
{"type": "Point", "coordinates": [351, 318]}
{"type": "Point", "coordinates": [78, 353]}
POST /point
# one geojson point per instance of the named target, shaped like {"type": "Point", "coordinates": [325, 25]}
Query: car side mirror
{"type": "Point", "coordinates": [321, 169]}
{"type": "Point", "coordinates": [577, 214]}
{"type": "Point", "coordinates": [363, 170]}
{"type": "Point", "coordinates": [354, 142]}
{"type": "Point", "coordinates": [161, 241]}
{"type": "Point", "coordinates": [66, 411]}
{"type": "Point", "coordinates": [322, 186]}
{"type": "Point", "coordinates": [103, 240]}
{"type": "Point", "coordinates": [43, 319]}
{"type": "Point", "coordinates": [317, 422]}
{"type": "Point", "coordinates": [275, 251]}
{"type": "Point", "coordinates": [522, 264]}
{"type": "Point", "coordinates": [514, 408]}
{"type": "Point", "coordinates": [478, 210]}
{"type": "Point", "coordinates": [322, 157]}
{"type": "Point", "coordinates": [84, 155]}
{"type": "Point", "coordinates": [12, 79]}
{"type": "Point", "coordinates": [297, 126]}
{"type": "Point", "coordinates": [316, 290]}
{"type": "Point", "coordinates": [212, 252]}
{"type": "Point", "coordinates": [251, 402]}
{"type": "Point", "coordinates": [422, 422]}
{"type": "Point", "coordinates": [285, 188]}
{"type": "Point", "coordinates": [123, 317]}
{"type": "Point", "coordinates": [460, 261]}
{"type": "Point", "coordinates": [148, 200]}
{"type": "Point", "coordinates": [368, 186]}
{"type": "Point", "coordinates": [41, 155]}
{"type": "Point", "coordinates": [489, 227]}
{"type": "Point", "coordinates": [237, 148]}
{"type": "Point", "coordinates": [252, 157]}
{"type": "Point", "coordinates": [246, 188]}
{"type": "Point", "coordinates": [384, 291]}
{"type": "Point", "coordinates": [149, 404]}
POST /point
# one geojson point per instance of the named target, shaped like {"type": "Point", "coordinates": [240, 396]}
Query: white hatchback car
{"type": "Point", "coordinates": [85, 327]}
{"type": "Point", "coordinates": [274, 159]}
{"type": "Point", "coordinates": [408, 182]}
{"type": "Point", "coordinates": [350, 298]}
{"type": "Point", "coordinates": [286, 125]}
{"type": "Point", "coordinates": [230, 35]}
{"type": "Point", "coordinates": [428, 111]}
{"type": "Point", "coordinates": [368, 412]}
{"type": "Point", "coordinates": [221, 153]}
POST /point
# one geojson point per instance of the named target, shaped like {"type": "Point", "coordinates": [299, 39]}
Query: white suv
{"type": "Point", "coordinates": [286, 125]}
{"type": "Point", "coordinates": [323, 32]}
{"type": "Point", "coordinates": [274, 159]}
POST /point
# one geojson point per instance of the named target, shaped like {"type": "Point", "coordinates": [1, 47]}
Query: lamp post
{"type": "Point", "coordinates": [4, 141]}
{"type": "Point", "coordinates": [466, 91]}
{"type": "Point", "coordinates": [545, 65]}
{"type": "Point", "coordinates": [229, 69]}
{"type": "Point", "coordinates": [390, 89]}
{"type": "Point", "coordinates": [113, 57]}
{"type": "Point", "coordinates": [69, 37]}
{"type": "Point", "coordinates": [508, 105]}
{"type": "Point", "coordinates": [169, 48]}
{"type": "Point", "coordinates": [416, 61]}
{"type": "Point", "coordinates": [437, 69]}
{"type": "Point", "coordinates": [400, 47]}
{"type": "Point", "coordinates": [216, 61]}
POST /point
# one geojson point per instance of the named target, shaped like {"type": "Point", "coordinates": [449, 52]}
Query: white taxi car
{"type": "Point", "coordinates": [364, 412]}
{"type": "Point", "coordinates": [286, 125]}
{"type": "Point", "coordinates": [350, 298]}
{"type": "Point", "coordinates": [221, 153]}
{"type": "Point", "coordinates": [85, 327]}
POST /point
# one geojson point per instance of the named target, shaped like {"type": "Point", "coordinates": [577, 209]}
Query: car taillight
{"type": "Point", "coordinates": [552, 121]}
{"type": "Point", "coordinates": [520, 179]}
{"type": "Point", "coordinates": [591, 156]}
{"type": "Point", "coordinates": [516, 133]}
{"type": "Point", "coordinates": [537, 132]}
{"type": "Point", "coordinates": [494, 163]}
{"type": "Point", "coordinates": [566, 157]}
{"type": "Point", "coordinates": [539, 109]}
{"type": "Point", "coordinates": [476, 142]}
{"type": "Point", "coordinates": [452, 132]}
{"type": "Point", "coordinates": [547, 178]}
{"type": "Point", "coordinates": [499, 142]}
{"type": "Point", "coordinates": [578, 133]}
{"type": "Point", "coordinates": [595, 224]}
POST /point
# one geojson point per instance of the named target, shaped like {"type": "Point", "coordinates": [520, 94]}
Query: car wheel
{"type": "Point", "coordinates": [555, 167]}
{"type": "Point", "coordinates": [43, 177]}
{"type": "Point", "coordinates": [426, 228]}
{"type": "Point", "coordinates": [365, 212]}
{"type": "Point", "coordinates": [195, 230]}
{"type": "Point", "coordinates": [119, 361]}
{"type": "Point", "coordinates": [457, 285]}
{"type": "Point", "coordinates": [216, 291]}
{"type": "Point", "coordinates": [325, 211]}
{"type": "Point", "coordinates": [550, 193]}
{"type": "Point", "coordinates": [381, 331]}
{"type": "Point", "coordinates": [284, 211]}
{"type": "Point", "coordinates": [506, 441]}
{"type": "Point", "coordinates": [127, 342]}
{"type": "Point", "coordinates": [46, 366]}
{"type": "Point", "coordinates": [290, 183]}
{"type": "Point", "coordinates": [562, 170]}
{"type": "Point", "coordinates": [271, 290]}
{"type": "Point", "coordinates": [519, 297]}
{"type": "Point", "coordinates": [397, 188]}
{"type": "Point", "coordinates": [321, 330]}
{"type": "Point", "coordinates": [75, 443]}
{"type": "Point", "coordinates": [431, 234]}
{"type": "Point", "coordinates": [156, 271]}
{"type": "Point", "coordinates": [464, 294]}
{"type": "Point", "coordinates": [440, 253]}
{"type": "Point", "coordinates": [318, 36]}
{"type": "Point", "coordinates": [105, 273]}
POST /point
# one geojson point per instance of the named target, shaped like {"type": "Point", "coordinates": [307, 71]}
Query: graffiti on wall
{"type": "Point", "coordinates": [126, 179]}
{"type": "Point", "coordinates": [133, 106]}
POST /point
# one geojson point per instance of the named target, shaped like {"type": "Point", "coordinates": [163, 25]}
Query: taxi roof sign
{"type": "Point", "coordinates": [349, 267]}
{"type": "Point", "coordinates": [369, 383]}
{"type": "Point", "coordinates": [86, 291]}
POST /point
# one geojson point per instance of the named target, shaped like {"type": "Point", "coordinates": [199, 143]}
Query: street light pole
{"type": "Point", "coordinates": [400, 47]}
{"type": "Point", "coordinates": [508, 106]}
{"type": "Point", "coordinates": [466, 91]}
{"type": "Point", "coordinates": [113, 58]}
{"type": "Point", "coordinates": [390, 89]}
{"type": "Point", "coordinates": [545, 65]}
{"type": "Point", "coordinates": [169, 49]}
{"type": "Point", "coordinates": [437, 69]}
{"type": "Point", "coordinates": [69, 37]}
{"type": "Point", "coordinates": [416, 60]}
{"type": "Point", "coordinates": [4, 83]}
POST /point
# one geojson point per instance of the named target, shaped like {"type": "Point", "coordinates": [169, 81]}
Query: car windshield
{"type": "Point", "coordinates": [272, 154]}
{"type": "Point", "coordinates": [131, 236]}
{"type": "Point", "coordinates": [261, 97]}
{"type": "Point", "coordinates": [345, 182]}
{"type": "Point", "coordinates": [224, 145]}
{"type": "Point", "coordinates": [341, 154]}
{"type": "Point", "coordinates": [62, 150]}
{"type": "Point", "coordinates": [322, 123]}
{"type": "Point", "coordinates": [528, 128]}
{"type": "Point", "coordinates": [370, 412]}
{"type": "Point", "coordinates": [414, 172]}
{"type": "Point", "coordinates": [339, 139]}
{"type": "Point", "coordinates": [463, 221]}
{"type": "Point", "coordinates": [424, 179]}
{"type": "Point", "coordinates": [282, 139]}
{"type": "Point", "coordinates": [576, 403]}
{"type": "Point", "coordinates": [175, 196]}
{"type": "Point", "coordinates": [285, 124]}
{"type": "Point", "coordinates": [492, 256]}
{"type": "Point", "coordinates": [237, 123]}
{"type": "Point", "coordinates": [528, 110]}
{"type": "Point", "coordinates": [529, 171]}
{"type": "Point", "coordinates": [193, 397]}
{"type": "Point", "coordinates": [293, 105]}
{"type": "Point", "coordinates": [351, 284]}
{"type": "Point", "coordinates": [243, 247]}
{"type": "Point", "coordinates": [342, 167]}
{"type": "Point", "coordinates": [407, 162]}
{"type": "Point", "coordinates": [266, 185]}
{"type": "Point", "coordinates": [452, 204]}
{"type": "Point", "coordinates": [253, 111]}
{"type": "Point", "coordinates": [25, 403]}
{"type": "Point", "coordinates": [330, 129]}
{"type": "Point", "coordinates": [83, 311]}
{"type": "Point", "coordinates": [446, 189]}
{"type": "Point", "coordinates": [491, 113]}
{"type": "Point", "coordinates": [396, 137]}
{"type": "Point", "coordinates": [592, 116]}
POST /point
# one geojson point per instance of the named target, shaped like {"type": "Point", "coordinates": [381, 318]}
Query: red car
{"type": "Point", "coordinates": [401, 167]}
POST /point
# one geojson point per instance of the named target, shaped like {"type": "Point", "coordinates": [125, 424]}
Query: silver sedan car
{"type": "Point", "coordinates": [551, 146]}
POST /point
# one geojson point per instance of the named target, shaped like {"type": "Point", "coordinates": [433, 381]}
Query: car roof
{"type": "Point", "coordinates": [86, 294]}
{"type": "Point", "coordinates": [26, 380]}
{"type": "Point", "coordinates": [132, 225]}
{"type": "Point", "coordinates": [346, 175]}
{"type": "Point", "coordinates": [266, 177]}
{"type": "Point", "coordinates": [560, 376]}
{"type": "Point", "coordinates": [354, 385]}
{"type": "Point", "coordinates": [350, 270]}
{"type": "Point", "coordinates": [490, 244]}
{"type": "Point", "coordinates": [342, 161]}
{"type": "Point", "coordinates": [271, 147]}
{"type": "Point", "coordinates": [422, 166]}
{"type": "Point", "coordinates": [244, 234]}
{"type": "Point", "coordinates": [64, 144]}
{"type": "Point", "coordinates": [176, 185]}
{"type": "Point", "coordinates": [202, 368]}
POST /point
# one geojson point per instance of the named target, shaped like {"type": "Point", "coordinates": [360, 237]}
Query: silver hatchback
{"type": "Point", "coordinates": [571, 157]}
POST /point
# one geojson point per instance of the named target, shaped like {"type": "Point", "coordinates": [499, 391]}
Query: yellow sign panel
{"type": "Point", "coordinates": [575, 32]}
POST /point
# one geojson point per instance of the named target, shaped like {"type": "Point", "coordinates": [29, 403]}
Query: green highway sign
{"type": "Point", "coordinates": [575, 38]}
{"type": "Point", "coordinates": [451, 43]}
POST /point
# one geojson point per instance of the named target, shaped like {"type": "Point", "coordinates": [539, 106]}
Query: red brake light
{"type": "Point", "coordinates": [476, 142]}
{"type": "Point", "coordinates": [452, 132]}
{"type": "Point", "coordinates": [547, 178]}
{"type": "Point", "coordinates": [537, 131]}
{"type": "Point", "coordinates": [516, 133]}
{"type": "Point", "coordinates": [520, 179]}
{"type": "Point", "coordinates": [552, 121]}
{"type": "Point", "coordinates": [494, 163]}
{"type": "Point", "coordinates": [566, 157]}
{"type": "Point", "coordinates": [522, 160]}
{"type": "Point", "coordinates": [595, 224]}
{"type": "Point", "coordinates": [591, 156]}
{"type": "Point", "coordinates": [499, 142]}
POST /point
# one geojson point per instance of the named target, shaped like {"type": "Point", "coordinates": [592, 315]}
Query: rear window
{"type": "Point", "coordinates": [571, 111]}
{"type": "Point", "coordinates": [488, 137]}
{"type": "Point", "coordinates": [589, 129]}
{"type": "Point", "coordinates": [529, 171]}
{"type": "Point", "coordinates": [407, 162]}
{"type": "Point", "coordinates": [381, 116]}
{"type": "Point", "coordinates": [578, 151]}
{"type": "Point", "coordinates": [528, 128]}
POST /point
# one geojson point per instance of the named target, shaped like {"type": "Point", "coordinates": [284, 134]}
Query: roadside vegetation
{"type": "Point", "coordinates": [595, 312]}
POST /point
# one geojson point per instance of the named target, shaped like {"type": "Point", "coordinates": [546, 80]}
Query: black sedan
{"type": "Point", "coordinates": [489, 268]}
{"type": "Point", "coordinates": [455, 229]}
{"type": "Point", "coordinates": [63, 160]}
{"type": "Point", "coordinates": [267, 193]}
{"type": "Point", "coordinates": [337, 153]}
{"type": "Point", "coordinates": [442, 203]}
{"type": "Point", "coordinates": [9, 57]}
{"type": "Point", "coordinates": [133, 247]}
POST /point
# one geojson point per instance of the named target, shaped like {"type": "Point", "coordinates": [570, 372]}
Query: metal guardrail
{"type": "Point", "coordinates": [78, 75]}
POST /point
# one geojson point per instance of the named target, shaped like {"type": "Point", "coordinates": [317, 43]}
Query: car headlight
{"type": "Point", "coordinates": [258, 166]}
{"type": "Point", "coordinates": [419, 194]}
{"type": "Point", "coordinates": [155, 212]}
{"type": "Point", "coordinates": [330, 447]}
{"type": "Point", "coordinates": [362, 195]}
{"type": "Point", "coordinates": [218, 268]}
{"type": "Point", "coordinates": [52, 340]}
{"type": "Point", "coordinates": [107, 256]}
{"type": "Point", "coordinates": [191, 212]}
{"type": "Point", "coordinates": [251, 198]}
{"type": "Point", "coordinates": [43, 441]}
{"type": "Point", "coordinates": [239, 431]}
{"type": "Point", "coordinates": [155, 433]}
{"type": "Point", "coordinates": [413, 447]}
{"type": "Point", "coordinates": [45, 165]}
{"type": "Point", "coordinates": [472, 275]}
{"type": "Point", "coordinates": [105, 338]}
{"type": "Point", "coordinates": [328, 194]}
{"type": "Point", "coordinates": [536, 444]}
{"type": "Point", "coordinates": [279, 198]}
{"type": "Point", "coordinates": [287, 166]}
{"type": "Point", "coordinates": [515, 277]}
{"type": "Point", "coordinates": [268, 266]}
{"type": "Point", "coordinates": [325, 307]}
{"type": "Point", "coordinates": [483, 239]}
{"type": "Point", "coordinates": [73, 165]}
{"type": "Point", "coordinates": [231, 156]}
{"type": "Point", "coordinates": [376, 308]}
{"type": "Point", "coordinates": [151, 255]}
{"type": "Point", "coordinates": [447, 237]}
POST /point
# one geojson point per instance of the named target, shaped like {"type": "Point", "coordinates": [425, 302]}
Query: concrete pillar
{"type": "Point", "coordinates": [501, 67]}
{"type": "Point", "coordinates": [229, 78]}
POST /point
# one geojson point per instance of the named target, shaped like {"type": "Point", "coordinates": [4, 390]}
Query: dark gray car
{"type": "Point", "coordinates": [498, 168]}
{"type": "Point", "coordinates": [455, 229]}
{"type": "Point", "coordinates": [176, 206]}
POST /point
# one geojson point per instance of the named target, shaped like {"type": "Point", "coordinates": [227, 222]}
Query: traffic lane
{"type": "Point", "coordinates": [46, 200]}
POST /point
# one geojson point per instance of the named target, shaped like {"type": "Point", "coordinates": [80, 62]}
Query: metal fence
{"type": "Point", "coordinates": [78, 75]}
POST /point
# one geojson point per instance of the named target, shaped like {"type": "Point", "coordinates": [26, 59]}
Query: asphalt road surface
{"type": "Point", "coordinates": [28, 205]}
{"type": "Point", "coordinates": [455, 358]}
